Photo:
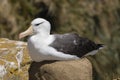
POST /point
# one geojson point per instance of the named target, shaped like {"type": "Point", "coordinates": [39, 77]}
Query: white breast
{"type": "Point", "coordinates": [36, 46]}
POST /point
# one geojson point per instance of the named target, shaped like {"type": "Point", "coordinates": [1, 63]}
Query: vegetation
{"type": "Point", "coordinates": [99, 20]}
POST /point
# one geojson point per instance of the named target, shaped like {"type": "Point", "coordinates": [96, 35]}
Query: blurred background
{"type": "Point", "coordinates": [98, 20]}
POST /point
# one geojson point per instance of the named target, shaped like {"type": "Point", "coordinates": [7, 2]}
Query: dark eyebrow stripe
{"type": "Point", "coordinates": [39, 23]}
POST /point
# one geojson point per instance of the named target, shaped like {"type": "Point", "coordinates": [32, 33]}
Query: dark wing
{"type": "Point", "coordinates": [72, 43]}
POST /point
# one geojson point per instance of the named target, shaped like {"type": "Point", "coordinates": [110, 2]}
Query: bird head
{"type": "Point", "coordinates": [38, 25]}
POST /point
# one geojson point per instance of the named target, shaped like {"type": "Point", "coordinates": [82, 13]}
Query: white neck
{"type": "Point", "coordinates": [43, 32]}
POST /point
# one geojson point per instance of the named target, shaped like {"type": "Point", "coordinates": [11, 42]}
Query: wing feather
{"type": "Point", "coordinates": [72, 43]}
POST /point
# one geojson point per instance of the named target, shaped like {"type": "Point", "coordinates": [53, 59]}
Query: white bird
{"type": "Point", "coordinates": [45, 46]}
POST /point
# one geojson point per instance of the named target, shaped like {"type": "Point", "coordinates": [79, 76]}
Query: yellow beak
{"type": "Point", "coordinates": [29, 31]}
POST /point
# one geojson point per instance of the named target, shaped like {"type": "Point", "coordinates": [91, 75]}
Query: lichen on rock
{"type": "Point", "coordinates": [8, 51]}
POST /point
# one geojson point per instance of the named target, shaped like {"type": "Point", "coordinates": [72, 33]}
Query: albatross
{"type": "Point", "coordinates": [45, 46]}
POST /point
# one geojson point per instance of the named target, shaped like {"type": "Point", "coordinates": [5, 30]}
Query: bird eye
{"type": "Point", "coordinates": [38, 24]}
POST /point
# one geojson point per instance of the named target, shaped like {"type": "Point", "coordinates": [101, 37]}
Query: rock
{"type": "Point", "coordinates": [8, 51]}
{"type": "Point", "coordinates": [47, 70]}
{"type": "Point", "coordinates": [61, 70]}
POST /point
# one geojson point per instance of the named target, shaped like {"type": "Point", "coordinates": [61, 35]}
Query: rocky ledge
{"type": "Point", "coordinates": [47, 70]}
{"type": "Point", "coordinates": [61, 70]}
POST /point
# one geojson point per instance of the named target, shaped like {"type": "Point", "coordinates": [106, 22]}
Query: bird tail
{"type": "Point", "coordinates": [100, 46]}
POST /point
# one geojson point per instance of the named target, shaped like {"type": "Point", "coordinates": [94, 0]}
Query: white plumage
{"type": "Point", "coordinates": [40, 40]}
